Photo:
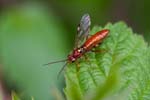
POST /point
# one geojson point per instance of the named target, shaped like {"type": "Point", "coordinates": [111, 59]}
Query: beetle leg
{"type": "Point", "coordinates": [77, 64]}
{"type": "Point", "coordinates": [96, 45]}
{"type": "Point", "coordinates": [86, 58]}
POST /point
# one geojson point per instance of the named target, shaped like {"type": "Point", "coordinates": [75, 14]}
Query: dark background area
{"type": "Point", "coordinates": [35, 32]}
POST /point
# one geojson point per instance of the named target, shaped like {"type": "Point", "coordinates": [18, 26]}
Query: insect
{"type": "Point", "coordinates": [89, 43]}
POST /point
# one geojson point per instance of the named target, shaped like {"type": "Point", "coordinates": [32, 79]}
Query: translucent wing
{"type": "Point", "coordinates": [83, 29]}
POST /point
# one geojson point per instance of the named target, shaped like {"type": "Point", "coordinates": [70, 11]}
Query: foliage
{"type": "Point", "coordinates": [15, 96]}
{"type": "Point", "coordinates": [121, 73]}
{"type": "Point", "coordinates": [30, 37]}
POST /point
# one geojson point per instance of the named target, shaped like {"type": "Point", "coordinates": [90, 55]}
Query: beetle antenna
{"type": "Point", "coordinates": [56, 62]}
{"type": "Point", "coordinates": [62, 69]}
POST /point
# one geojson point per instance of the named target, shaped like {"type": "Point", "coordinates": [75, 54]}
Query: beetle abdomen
{"type": "Point", "coordinates": [95, 39]}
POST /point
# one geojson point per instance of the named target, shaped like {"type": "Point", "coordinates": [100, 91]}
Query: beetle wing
{"type": "Point", "coordinates": [83, 29]}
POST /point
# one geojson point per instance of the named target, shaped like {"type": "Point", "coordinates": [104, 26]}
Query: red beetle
{"type": "Point", "coordinates": [90, 43]}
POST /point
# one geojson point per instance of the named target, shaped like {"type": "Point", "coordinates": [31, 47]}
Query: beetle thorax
{"type": "Point", "coordinates": [75, 54]}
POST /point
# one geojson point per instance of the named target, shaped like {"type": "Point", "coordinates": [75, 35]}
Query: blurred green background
{"type": "Point", "coordinates": [35, 32]}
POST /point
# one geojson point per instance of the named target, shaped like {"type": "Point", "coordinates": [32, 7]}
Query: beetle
{"type": "Point", "coordinates": [89, 43]}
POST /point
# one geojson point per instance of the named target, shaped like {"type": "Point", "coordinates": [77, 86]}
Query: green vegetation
{"type": "Point", "coordinates": [121, 73]}
{"type": "Point", "coordinates": [33, 34]}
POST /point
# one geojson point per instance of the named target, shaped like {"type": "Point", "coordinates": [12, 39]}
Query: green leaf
{"type": "Point", "coordinates": [121, 73]}
{"type": "Point", "coordinates": [15, 96]}
{"type": "Point", "coordinates": [29, 37]}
